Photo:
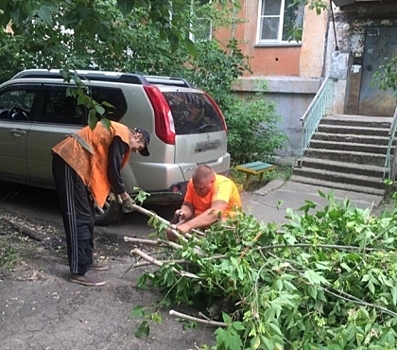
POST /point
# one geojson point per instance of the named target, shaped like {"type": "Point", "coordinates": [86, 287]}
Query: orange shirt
{"type": "Point", "coordinates": [224, 189]}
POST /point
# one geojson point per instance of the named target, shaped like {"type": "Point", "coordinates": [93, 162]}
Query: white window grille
{"type": "Point", "coordinates": [201, 28]}
{"type": "Point", "coordinates": [280, 21]}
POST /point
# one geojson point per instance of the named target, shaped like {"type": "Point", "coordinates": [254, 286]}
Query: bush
{"type": "Point", "coordinates": [253, 133]}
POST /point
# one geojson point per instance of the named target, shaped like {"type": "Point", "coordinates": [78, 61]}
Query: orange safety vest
{"type": "Point", "coordinates": [87, 153]}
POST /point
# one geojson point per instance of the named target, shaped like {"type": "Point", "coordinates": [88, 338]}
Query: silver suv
{"type": "Point", "coordinates": [187, 128]}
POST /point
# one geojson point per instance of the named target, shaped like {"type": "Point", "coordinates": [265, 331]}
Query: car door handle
{"type": "Point", "coordinates": [17, 132]}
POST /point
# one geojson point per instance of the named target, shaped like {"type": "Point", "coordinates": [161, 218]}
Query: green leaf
{"type": "Point", "coordinates": [393, 292]}
{"type": "Point", "coordinates": [312, 291]}
{"type": "Point", "coordinates": [315, 278]}
{"type": "Point", "coordinates": [45, 15]}
{"type": "Point", "coordinates": [92, 119]}
{"type": "Point", "coordinates": [99, 109]}
{"type": "Point", "coordinates": [107, 104]}
{"type": "Point", "coordinates": [238, 326]}
{"type": "Point", "coordinates": [226, 318]}
{"type": "Point", "coordinates": [366, 278]}
{"type": "Point", "coordinates": [143, 330]}
{"type": "Point", "coordinates": [191, 47]}
{"type": "Point", "coordinates": [275, 328]}
{"type": "Point", "coordinates": [371, 287]}
{"type": "Point", "coordinates": [255, 342]}
{"type": "Point", "coordinates": [138, 311]}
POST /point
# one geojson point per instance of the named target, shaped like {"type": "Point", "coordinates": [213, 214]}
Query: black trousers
{"type": "Point", "coordinates": [78, 215]}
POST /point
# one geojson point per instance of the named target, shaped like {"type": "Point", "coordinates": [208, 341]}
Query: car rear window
{"type": "Point", "coordinates": [193, 113]}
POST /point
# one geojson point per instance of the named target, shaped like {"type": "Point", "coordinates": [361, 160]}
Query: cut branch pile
{"type": "Point", "coordinates": [325, 280]}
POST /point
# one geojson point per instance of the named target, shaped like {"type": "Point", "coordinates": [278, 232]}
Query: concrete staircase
{"type": "Point", "coordinates": [347, 152]}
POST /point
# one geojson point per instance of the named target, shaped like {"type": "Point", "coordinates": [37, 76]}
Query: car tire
{"type": "Point", "coordinates": [108, 214]}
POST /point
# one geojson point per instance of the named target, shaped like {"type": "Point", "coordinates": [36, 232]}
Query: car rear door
{"type": "Point", "coordinates": [58, 118]}
{"type": "Point", "coordinates": [200, 130]}
{"type": "Point", "coordinates": [17, 103]}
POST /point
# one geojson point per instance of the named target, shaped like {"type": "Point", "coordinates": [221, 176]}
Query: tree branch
{"type": "Point", "coordinates": [198, 320]}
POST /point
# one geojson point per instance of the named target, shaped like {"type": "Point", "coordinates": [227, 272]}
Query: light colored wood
{"type": "Point", "coordinates": [255, 168]}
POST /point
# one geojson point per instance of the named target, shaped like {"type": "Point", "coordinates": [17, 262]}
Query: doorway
{"type": "Point", "coordinates": [380, 44]}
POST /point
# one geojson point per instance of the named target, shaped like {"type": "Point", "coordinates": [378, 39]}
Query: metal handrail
{"type": "Point", "coordinates": [390, 164]}
{"type": "Point", "coordinates": [321, 105]}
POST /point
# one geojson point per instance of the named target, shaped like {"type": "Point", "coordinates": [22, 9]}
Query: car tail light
{"type": "Point", "coordinates": [176, 189]}
{"type": "Point", "coordinates": [164, 123]}
{"type": "Point", "coordinates": [218, 110]}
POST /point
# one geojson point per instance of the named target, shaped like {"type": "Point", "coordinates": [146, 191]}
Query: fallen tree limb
{"type": "Point", "coordinates": [324, 246]}
{"type": "Point", "coordinates": [172, 227]}
{"type": "Point", "coordinates": [148, 263]}
{"type": "Point", "coordinates": [25, 231]}
{"type": "Point", "coordinates": [157, 242]}
{"type": "Point", "coordinates": [198, 320]}
{"type": "Point", "coordinates": [158, 263]}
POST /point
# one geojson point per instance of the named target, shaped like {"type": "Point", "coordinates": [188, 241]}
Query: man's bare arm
{"type": "Point", "coordinates": [206, 218]}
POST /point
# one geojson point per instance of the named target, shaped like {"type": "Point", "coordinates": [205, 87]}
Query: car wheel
{"type": "Point", "coordinates": [109, 213]}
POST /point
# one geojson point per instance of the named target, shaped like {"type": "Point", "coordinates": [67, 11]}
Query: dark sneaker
{"type": "Point", "coordinates": [84, 280]}
{"type": "Point", "coordinates": [98, 267]}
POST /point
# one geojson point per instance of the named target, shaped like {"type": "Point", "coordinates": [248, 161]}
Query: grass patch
{"type": "Point", "coordinates": [9, 259]}
{"type": "Point", "coordinates": [282, 172]}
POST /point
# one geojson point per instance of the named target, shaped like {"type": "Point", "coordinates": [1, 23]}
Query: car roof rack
{"type": "Point", "coordinates": [104, 76]}
{"type": "Point", "coordinates": [84, 74]}
{"type": "Point", "coordinates": [154, 79]}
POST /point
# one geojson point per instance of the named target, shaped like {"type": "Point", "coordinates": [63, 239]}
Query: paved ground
{"type": "Point", "coordinates": [269, 203]}
{"type": "Point", "coordinates": [40, 309]}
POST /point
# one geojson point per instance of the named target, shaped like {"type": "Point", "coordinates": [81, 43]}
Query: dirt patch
{"type": "Point", "coordinates": [41, 309]}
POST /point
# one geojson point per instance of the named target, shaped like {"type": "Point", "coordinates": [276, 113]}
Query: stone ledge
{"type": "Point", "coordinates": [278, 84]}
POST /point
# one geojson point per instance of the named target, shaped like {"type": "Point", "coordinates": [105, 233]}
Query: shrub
{"type": "Point", "coordinates": [253, 133]}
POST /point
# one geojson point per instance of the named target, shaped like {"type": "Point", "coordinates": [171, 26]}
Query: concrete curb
{"type": "Point", "coordinates": [269, 187]}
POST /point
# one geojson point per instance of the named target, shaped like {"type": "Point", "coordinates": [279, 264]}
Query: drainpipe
{"type": "Point", "coordinates": [333, 22]}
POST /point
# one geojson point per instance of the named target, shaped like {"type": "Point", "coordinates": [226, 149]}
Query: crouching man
{"type": "Point", "coordinates": [209, 197]}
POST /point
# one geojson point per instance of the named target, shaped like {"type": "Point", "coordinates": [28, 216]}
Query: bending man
{"type": "Point", "coordinates": [209, 198]}
{"type": "Point", "coordinates": [86, 166]}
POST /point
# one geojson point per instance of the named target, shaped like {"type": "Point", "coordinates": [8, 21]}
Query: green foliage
{"type": "Point", "coordinates": [386, 76]}
{"type": "Point", "coordinates": [325, 280]}
{"type": "Point", "coordinates": [11, 54]}
{"type": "Point", "coordinates": [144, 328]}
{"type": "Point", "coordinates": [9, 257]}
{"type": "Point", "coordinates": [253, 132]}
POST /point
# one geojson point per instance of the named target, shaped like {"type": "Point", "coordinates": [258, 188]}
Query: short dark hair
{"type": "Point", "coordinates": [202, 173]}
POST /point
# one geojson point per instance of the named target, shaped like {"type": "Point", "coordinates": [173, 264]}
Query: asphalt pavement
{"type": "Point", "coordinates": [269, 203]}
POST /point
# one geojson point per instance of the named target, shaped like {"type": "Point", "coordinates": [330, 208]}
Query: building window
{"type": "Point", "coordinates": [280, 21]}
{"type": "Point", "coordinates": [201, 28]}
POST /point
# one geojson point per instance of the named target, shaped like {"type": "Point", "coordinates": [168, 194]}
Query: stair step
{"type": "Point", "coordinates": [349, 168]}
{"type": "Point", "coordinates": [340, 177]}
{"type": "Point", "coordinates": [349, 147]}
{"type": "Point", "coordinates": [374, 159]}
{"type": "Point", "coordinates": [341, 186]}
{"type": "Point", "coordinates": [353, 130]}
{"type": "Point", "coordinates": [359, 120]}
{"type": "Point", "coordinates": [366, 139]}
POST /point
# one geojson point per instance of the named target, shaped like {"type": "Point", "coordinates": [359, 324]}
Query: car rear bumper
{"type": "Point", "coordinates": [174, 194]}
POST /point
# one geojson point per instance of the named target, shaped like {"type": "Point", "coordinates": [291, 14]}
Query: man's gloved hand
{"type": "Point", "coordinates": [128, 203]}
{"type": "Point", "coordinates": [115, 198]}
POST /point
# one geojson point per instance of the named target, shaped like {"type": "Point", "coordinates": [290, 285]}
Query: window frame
{"type": "Point", "coordinates": [273, 42]}
{"type": "Point", "coordinates": [32, 115]}
{"type": "Point", "coordinates": [210, 29]}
